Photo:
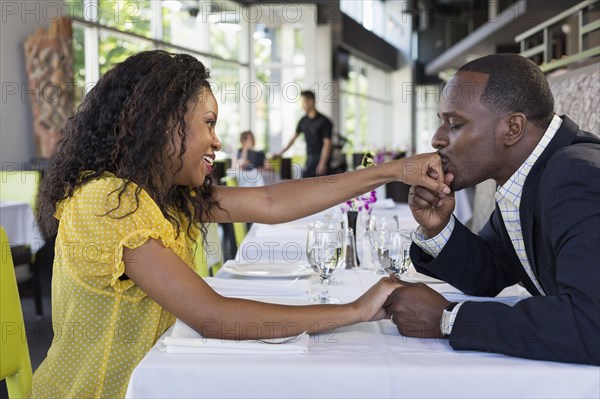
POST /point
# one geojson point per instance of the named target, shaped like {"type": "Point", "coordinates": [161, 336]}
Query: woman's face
{"type": "Point", "coordinates": [201, 142]}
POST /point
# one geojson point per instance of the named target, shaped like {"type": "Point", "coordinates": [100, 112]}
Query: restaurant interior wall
{"type": "Point", "coordinates": [17, 21]}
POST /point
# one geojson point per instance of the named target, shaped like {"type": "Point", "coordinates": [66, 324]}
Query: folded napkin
{"type": "Point", "coordinates": [184, 339]}
{"type": "Point", "coordinates": [253, 288]}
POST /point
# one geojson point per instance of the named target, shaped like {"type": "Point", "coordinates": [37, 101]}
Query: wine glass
{"type": "Point", "coordinates": [397, 245]}
{"type": "Point", "coordinates": [324, 250]}
{"type": "Point", "coordinates": [376, 229]}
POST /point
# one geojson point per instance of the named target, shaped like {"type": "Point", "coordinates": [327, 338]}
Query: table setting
{"type": "Point", "coordinates": [305, 262]}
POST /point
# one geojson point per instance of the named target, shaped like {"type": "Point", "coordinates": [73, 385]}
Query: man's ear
{"type": "Point", "coordinates": [515, 129]}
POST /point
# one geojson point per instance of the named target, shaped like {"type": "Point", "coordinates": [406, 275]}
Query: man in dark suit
{"type": "Point", "coordinates": [497, 122]}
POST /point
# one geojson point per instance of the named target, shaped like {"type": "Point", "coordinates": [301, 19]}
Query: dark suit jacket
{"type": "Point", "coordinates": [560, 218]}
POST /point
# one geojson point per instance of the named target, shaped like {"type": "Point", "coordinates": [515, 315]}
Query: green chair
{"type": "Point", "coordinates": [20, 185]}
{"type": "Point", "coordinates": [276, 165]}
{"type": "Point", "coordinates": [209, 262]}
{"type": "Point", "coordinates": [23, 185]}
{"type": "Point", "coordinates": [298, 162]}
{"type": "Point", "coordinates": [15, 365]}
{"type": "Point", "coordinates": [239, 229]}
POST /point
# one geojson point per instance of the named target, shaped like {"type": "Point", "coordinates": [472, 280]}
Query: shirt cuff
{"type": "Point", "coordinates": [447, 321]}
{"type": "Point", "coordinates": [433, 246]}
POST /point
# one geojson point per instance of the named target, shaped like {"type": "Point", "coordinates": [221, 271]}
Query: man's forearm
{"type": "Point", "coordinates": [325, 151]}
{"type": "Point", "coordinates": [542, 328]}
{"type": "Point", "coordinates": [289, 145]}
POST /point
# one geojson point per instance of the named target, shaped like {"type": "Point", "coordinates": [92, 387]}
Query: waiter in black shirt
{"type": "Point", "coordinates": [317, 129]}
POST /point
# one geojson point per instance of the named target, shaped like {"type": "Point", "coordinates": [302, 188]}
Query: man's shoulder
{"type": "Point", "coordinates": [578, 153]}
{"type": "Point", "coordinates": [574, 165]}
{"type": "Point", "coordinates": [323, 122]}
{"type": "Point", "coordinates": [323, 117]}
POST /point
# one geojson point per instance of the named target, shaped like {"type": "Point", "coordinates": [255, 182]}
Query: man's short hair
{"type": "Point", "coordinates": [515, 84]}
{"type": "Point", "coordinates": [308, 94]}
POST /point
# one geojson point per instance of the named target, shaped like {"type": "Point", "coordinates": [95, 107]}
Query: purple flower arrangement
{"type": "Point", "coordinates": [359, 203]}
{"type": "Point", "coordinates": [364, 201]}
{"type": "Point", "coordinates": [383, 154]}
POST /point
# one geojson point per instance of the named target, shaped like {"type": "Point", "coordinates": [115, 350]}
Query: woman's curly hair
{"type": "Point", "coordinates": [126, 125]}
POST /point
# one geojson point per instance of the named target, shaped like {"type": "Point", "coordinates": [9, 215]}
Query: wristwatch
{"type": "Point", "coordinates": [447, 321]}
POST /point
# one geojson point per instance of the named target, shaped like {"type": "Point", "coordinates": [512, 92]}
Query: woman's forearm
{"type": "Point", "coordinates": [295, 199]}
{"type": "Point", "coordinates": [243, 319]}
{"type": "Point", "coordinates": [299, 198]}
{"type": "Point", "coordinates": [165, 278]}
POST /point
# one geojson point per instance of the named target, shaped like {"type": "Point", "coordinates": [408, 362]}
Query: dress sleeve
{"type": "Point", "coordinates": [98, 223]}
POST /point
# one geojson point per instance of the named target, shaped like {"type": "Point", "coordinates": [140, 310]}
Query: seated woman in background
{"type": "Point", "coordinates": [248, 157]}
{"type": "Point", "coordinates": [129, 193]}
{"type": "Point", "coordinates": [250, 163]}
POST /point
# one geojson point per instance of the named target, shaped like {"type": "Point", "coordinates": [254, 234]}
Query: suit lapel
{"type": "Point", "coordinates": [525, 280]}
{"type": "Point", "coordinates": [563, 137]}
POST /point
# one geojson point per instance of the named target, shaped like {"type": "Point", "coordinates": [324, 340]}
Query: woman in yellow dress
{"type": "Point", "coordinates": [129, 191]}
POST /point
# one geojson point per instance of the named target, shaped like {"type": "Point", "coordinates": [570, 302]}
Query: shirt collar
{"type": "Point", "coordinates": [513, 188]}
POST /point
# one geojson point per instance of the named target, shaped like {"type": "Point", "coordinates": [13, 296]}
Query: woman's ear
{"type": "Point", "coordinates": [515, 129]}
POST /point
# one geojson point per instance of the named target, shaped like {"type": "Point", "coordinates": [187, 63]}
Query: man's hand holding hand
{"type": "Point", "coordinates": [416, 310]}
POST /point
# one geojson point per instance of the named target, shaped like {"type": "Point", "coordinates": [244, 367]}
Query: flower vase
{"type": "Point", "coordinates": [352, 260]}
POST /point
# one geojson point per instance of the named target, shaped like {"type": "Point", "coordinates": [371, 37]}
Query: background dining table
{"type": "Point", "coordinates": [363, 360]}
{"type": "Point", "coordinates": [17, 219]}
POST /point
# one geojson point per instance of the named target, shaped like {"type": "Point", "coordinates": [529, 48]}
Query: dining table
{"type": "Point", "coordinates": [17, 219]}
{"type": "Point", "coordinates": [370, 359]}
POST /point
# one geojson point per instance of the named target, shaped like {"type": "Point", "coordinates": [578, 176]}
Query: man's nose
{"type": "Point", "coordinates": [439, 139]}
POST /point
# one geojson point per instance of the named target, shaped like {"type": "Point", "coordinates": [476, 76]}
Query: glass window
{"type": "Point", "coordinates": [366, 106]}
{"type": "Point", "coordinates": [78, 64]}
{"type": "Point", "coordinates": [208, 27]}
{"type": "Point", "coordinates": [114, 49]}
{"type": "Point", "coordinates": [126, 16]}
{"type": "Point", "coordinates": [225, 81]}
{"type": "Point", "coordinates": [280, 65]}
{"type": "Point", "coordinates": [212, 31]}
{"type": "Point", "coordinates": [183, 27]}
{"type": "Point", "coordinates": [267, 42]}
{"type": "Point", "coordinates": [225, 30]}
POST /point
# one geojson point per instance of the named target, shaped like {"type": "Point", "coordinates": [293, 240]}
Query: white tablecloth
{"type": "Point", "coordinates": [364, 360]}
{"type": "Point", "coordinates": [19, 223]}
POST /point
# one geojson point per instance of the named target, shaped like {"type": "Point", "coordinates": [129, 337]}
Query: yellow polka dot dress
{"type": "Point", "coordinates": [103, 325]}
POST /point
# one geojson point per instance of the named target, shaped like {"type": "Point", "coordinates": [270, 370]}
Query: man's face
{"type": "Point", "coordinates": [467, 136]}
{"type": "Point", "coordinates": [308, 104]}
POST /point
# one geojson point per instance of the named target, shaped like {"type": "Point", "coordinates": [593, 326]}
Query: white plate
{"type": "Point", "coordinates": [268, 270]}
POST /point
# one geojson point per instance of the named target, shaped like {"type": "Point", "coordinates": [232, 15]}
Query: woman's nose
{"type": "Point", "coordinates": [216, 145]}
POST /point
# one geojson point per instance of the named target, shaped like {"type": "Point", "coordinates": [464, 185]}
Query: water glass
{"type": "Point", "coordinates": [396, 243]}
{"type": "Point", "coordinates": [325, 253]}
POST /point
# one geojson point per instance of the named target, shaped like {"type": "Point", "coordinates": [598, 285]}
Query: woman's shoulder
{"type": "Point", "coordinates": [108, 193]}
